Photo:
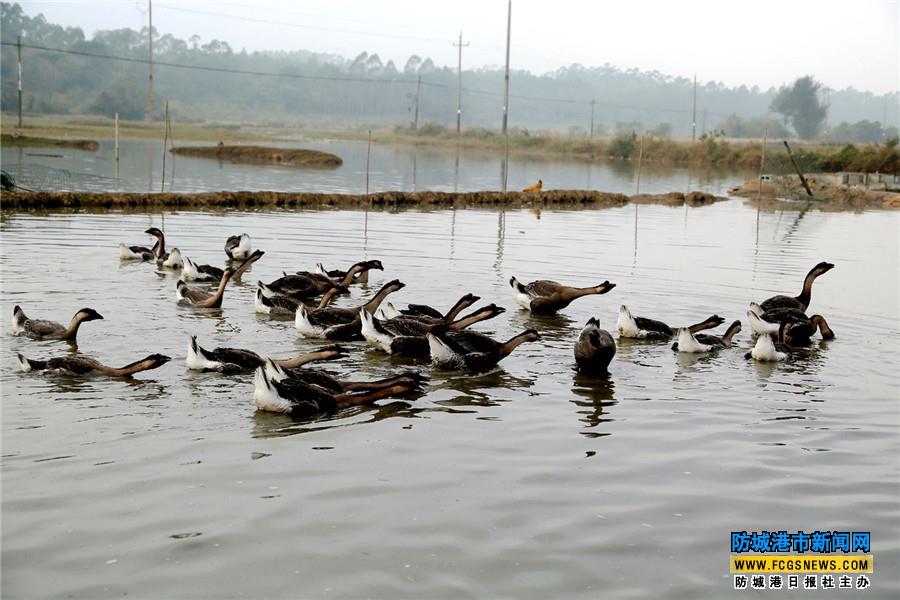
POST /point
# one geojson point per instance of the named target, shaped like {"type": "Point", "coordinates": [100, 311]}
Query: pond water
{"type": "Point", "coordinates": [526, 482]}
{"type": "Point", "coordinates": [392, 168]}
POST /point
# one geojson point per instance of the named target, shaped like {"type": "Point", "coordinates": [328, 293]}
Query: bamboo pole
{"type": "Point", "coordinates": [162, 185]}
{"type": "Point", "coordinates": [762, 162]}
{"type": "Point", "coordinates": [117, 145]}
{"type": "Point", "coordinates": [368, 155]}
{"type": "Point", "coordinates": [640, 160]}
{"type": "Point", "coordinates": [797, 168]}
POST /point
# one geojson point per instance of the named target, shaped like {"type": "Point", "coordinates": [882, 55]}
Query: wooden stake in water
{"type": "Point", "coordinates": [797, 168]}
{"type": "Point", "coordinates": [19, 78]}
{"type": "Point", "coordinates": [117, 145]}
{"type": "Point", "coordinates": [637, 189]}
{"type": "Point", "coordinates": [162, 186]}
{"type": "Point", "coordinates": [762, 161]}
{"type": "Point", "coordinates": [171, 145]}
{"type": "Point", "coordinates": [368, 155]}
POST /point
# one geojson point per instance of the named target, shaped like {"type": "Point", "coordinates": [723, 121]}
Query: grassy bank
{"type": "Point", "coordinates": [293, 157]}
{"type": "Point", "coordinates": [23, 201]}
{"type": "Point", "coordinates": [26, 140]}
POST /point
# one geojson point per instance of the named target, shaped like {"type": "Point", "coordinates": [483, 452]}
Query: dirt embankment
{"type": "Point", "coordinates": [788, 191]}
{"type": "Point", "coordinates": [291, 157]}
{"type": "Point", "coordinates": [383, 200]}
{"type": "Point", "coordinates": [25, 140]}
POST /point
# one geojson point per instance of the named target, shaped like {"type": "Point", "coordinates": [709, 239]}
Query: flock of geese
{"type": "Point", "coordinates": [416, 332]}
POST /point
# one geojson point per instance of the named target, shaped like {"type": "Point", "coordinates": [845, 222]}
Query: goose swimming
{"type": "Point", "coordinates": [339, 276]}
{"type": "Point", "coordinates": [342, 324]}
{"type": "Point", "coordinates": [594, 349]}
{"type": "Point", "coordinates": [51, 330]}
{"type": "Point", "coordinates": [191, 271]}
{"type": "Point", "coordinates": [273, 304]}
{"type": "Point", "coordinates": [82, 365]}
{"type": "Point", "coordinates": [328, 382]}
{"type": "Point", "coordinates": [765, 349]}
{"type": "Point", "coordinates": [423, 312]}
{"type": "Point", "coordinates": [546, 297]}
{"type": "Point", "coordinates": [688, 342]}
{"type": "Point", "coordinates": [802, 328]}
{"type": "Point", "coordinates": [649, 329]}
{"type": "Point", "coordinates": [471, 351]}
{"type": "Point", "coordinates": [237, 360]}
{"type": "Point", "coordinates": [172, 259]}
{"type": "Point", "coordinates": [142, 253]}
{"type": "Point", "coordinates": [802, 300]}
{"type": "Point", "coordinates": [304, 285]}
{"type": "Point", "coordinates": [237, 247]}
{"type": "Point", "coordinates": [188, 296]}
{"type": "Point", "coordinates": [297, 398]}
{"type": "Point", "coordinates": [405, 336]}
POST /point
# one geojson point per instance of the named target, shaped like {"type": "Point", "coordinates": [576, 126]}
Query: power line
{"type": "Point", "coordinates": [339, 78]}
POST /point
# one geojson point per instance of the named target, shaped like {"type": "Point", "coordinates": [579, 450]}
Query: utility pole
{"type": "Point", "coordinates": [19, 75]}
{"type": "Point", "coordinates": [416, 117]}
{"type": "Point", "coordinates": [694, 112]}
{"type": "Point", "coordinates": [592, 116]}
{"type": "Point", "coordinates": [506, 72]}
{"type": "Point", "coordinates": [459, 84]}
{"type": "Point", "coordinates": [150, 62]}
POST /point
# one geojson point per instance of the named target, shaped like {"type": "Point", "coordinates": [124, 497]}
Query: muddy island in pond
{"type": "Point", "coordinates": [290, 157]}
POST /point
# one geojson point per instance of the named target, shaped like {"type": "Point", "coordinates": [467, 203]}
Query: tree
{"type": "Point", "coordinates": [800, 104]}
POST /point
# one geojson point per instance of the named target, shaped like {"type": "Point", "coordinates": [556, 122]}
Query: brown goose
{"type": "Point", "coordinates": [188, 296]}
{"type": "Point", "coordinates": [643, 328]}
{"type": "Point", "coordinates": [545, 297]}
{"type": "Point", "coordinates": [286, 306]}
{"type": "Point", "coordinates": [82, 365]}
{"type": "Point", "coordinates": [298, 398]}
{"type": "Point", "coordinates": [304, 285]}
{"type": "Point", "coordinates": [471, 351]}
{"type": "Point", "coordinates": [688, 342]}
{"type": "Point", "coordinates": [330, 383]}
{"type": "Point", "coordinates": [405, 336]}
{"type": "Point", "coordinates": [802, 326]}
{"type": "Point", "coordinates": [594, 349]}
{"type": "Point", "coordinates": [342, 324]}
{"type": "Point", "coordinates": [157, 252]}
{"type": "Point", "coordinates": [50, 330]}
{"type": "Point", "coordinates": [802, 300]}
{"type": "Point", "coordinates": [338, 276]}
{"type": "Point", "coordinates": [191, 271]}
{"type": "Point", "coordinates": [237, 360]}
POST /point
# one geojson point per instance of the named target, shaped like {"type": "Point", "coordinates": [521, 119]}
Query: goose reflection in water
{"type": "Point", "coordinates": [595, 398]}
{"type": "Point", "coordinates": [275, 425]}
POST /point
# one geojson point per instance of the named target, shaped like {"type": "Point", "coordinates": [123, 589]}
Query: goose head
{"type": "Point", "coordinates": [88, 314]}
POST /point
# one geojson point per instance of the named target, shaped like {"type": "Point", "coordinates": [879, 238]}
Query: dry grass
{"type": "Point", "coordinates": [291, 157]}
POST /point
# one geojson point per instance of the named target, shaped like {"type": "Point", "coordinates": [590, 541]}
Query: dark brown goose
{"type": "Point", "coordinates": [188, 296]}
{"type": "Point", "coordinates": [545, 297]}
{"type": "Point", "coordinates": [237, 360]}
{"type": "Point", "coordinates": [594, 349]}
{"type": "Point", "coordinates": [191, 271]}
{"type": "Point", "coordinates": [649, 329]}
{"type": "Point", "coordinates": [82, 365]}
{"type": "Point", "coordinates": [802, 327]}
{"type": "Point", "coordinates": [339, 276]}
{"type": "Point", "coordinates": [426, 313]}
{"type": "Point", "coordinates": [50, 330]}
{"type": "Point", "coordinates": [298, 398]}
{"type": "Point", "coordinates": [405, 336]}
{"type": "Point", "coordinates": [471, 351]}
{"type": "Point", "coordinates": [343, 324]}
{"type": "Point", "coordinates": [688, 342]}
{"type": "Point", "coordinates": [304, 285]}
{"type": "Point", "coordinates": [157, 252]}
{"type": "Point", "coordinates": [802, 300]}
{"type": "Point", "coordinates": [280, 305]}
{"type": "Point", "coordinates": [330, 383]}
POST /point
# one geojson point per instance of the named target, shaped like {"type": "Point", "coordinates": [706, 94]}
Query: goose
{"type": "Point", "coordinates": [388, 311]}
{"type": "Point", "coordinates": [649, 329]}
{"type": "Point", "coordinates": [270, 303]}
{"type": "Point", "coordinates": [470, 351]}
{"type": "Point", "coordinates": [340, 323]}
{"type": "Point", "coordinates": [236, 360]}
{"type": "Point", "coordinates": [143, 253]}
{"type": "Point", "coordinates": [423, 312]}
{"type": "Point", "coordinates": [337, 275]}
{"type": "Point", "coordinates": [546, 297]}
{"type": "Point", "coordinates": [405, 336]}
{"type": "Point", "coordinates": [765, 349]}
{"type": "Point", "coordinates": [237, 247]}
{"type": "Point", "coordinates": [172, 260]}
{"type": "Point", "coordinates": [328, 382]}
{"type": "Point", "coordinates": [304, 285]}
{"type": "Point", "coordinates": [801, 301]}
{"type": "Point", "coordinates": [299, 399]}
{"type": "Point", "coordinates": [767, 322]}
{"type": "Point", "coordinates": [688, 342]}
{"type": "Point", "coordinates": [594, 349]}
{"type": "Point", "coordinates": [188, 296]}
{"type": "Point", "coordinates": [191, 271]}
{"type": "Point", "coordinates": [50, 330]}
{"type": "Point", "coordinates": [82, 365]}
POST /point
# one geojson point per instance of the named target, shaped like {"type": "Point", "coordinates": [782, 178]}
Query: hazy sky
{"type": "Point", "coordinates": [763, 42]}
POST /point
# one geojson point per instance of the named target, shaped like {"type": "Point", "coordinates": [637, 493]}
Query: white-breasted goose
{"type": "Point", "coordinates": [339, 276]}
{"type": "Point", "coordinates": [643, 328]}
{"type": "Point", "coordinates": [688, 342]}
{"type": "Point", "coordinates": [546, 297]}
{"type": "Point", "coordinates": [192, 271]}
{"type": "Point", "coordinates": [82, 365]}
{"type": "Point", "coordinates": [278, 305]}
{"type": "Point", "coordinates": [802, 329]}
{"type": "Point", "coordinates": [342, 324]}
{"type": "Point", "coordinates": [51, 330]}
{"type": "Point", "coordinates": [237, 247]}
{"type": "Point", "coordinates": [157, 252]}
{"type": "Point", "coordinates": [471, 351]}
{"type": "Point", "coordinates": [802, 300]}
{"type": "Point", "coordinates": [237, 360]}
{"type": "Point", "coordinates": [327, 381]}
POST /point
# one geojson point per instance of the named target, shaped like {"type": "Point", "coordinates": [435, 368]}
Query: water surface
{"type": "Point", "coordinates": [527, 482]}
